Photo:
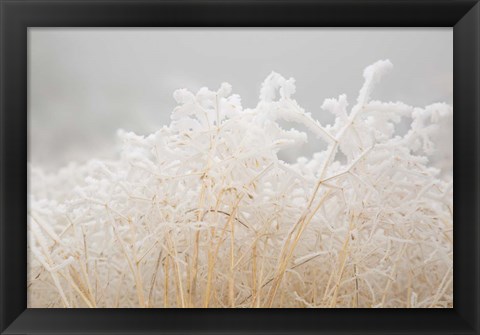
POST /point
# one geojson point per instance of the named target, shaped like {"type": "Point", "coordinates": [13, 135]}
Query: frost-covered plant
{"type": "Point", "coordinates": [203, 213]}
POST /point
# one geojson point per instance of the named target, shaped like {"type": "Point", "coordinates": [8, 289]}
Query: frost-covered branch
{"type": "Point", "coordinates": [203, 213]}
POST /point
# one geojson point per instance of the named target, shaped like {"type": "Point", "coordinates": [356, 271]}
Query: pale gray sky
{"type": "Point", "coordinates": [85, 83]}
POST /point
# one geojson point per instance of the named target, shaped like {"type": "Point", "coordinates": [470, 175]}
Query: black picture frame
{"type": "Point", "coordinates": [17, 15]}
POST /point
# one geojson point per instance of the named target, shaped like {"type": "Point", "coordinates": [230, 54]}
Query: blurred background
{"type": "Point", "coordinates": [85, 83]}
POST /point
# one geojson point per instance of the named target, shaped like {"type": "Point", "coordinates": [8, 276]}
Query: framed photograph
{"type": "Point", "coordinates": [239, 166]}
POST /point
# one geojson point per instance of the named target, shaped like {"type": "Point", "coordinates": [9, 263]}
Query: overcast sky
{"type": "Point", "coordinates": [84, 84]}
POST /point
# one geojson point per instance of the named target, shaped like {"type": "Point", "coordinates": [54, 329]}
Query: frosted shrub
{"type": "Point", "coordinates": [203, 213]}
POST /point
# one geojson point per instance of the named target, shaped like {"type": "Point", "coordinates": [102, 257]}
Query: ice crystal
{"type": "Point", "coordinates": [203, 213]}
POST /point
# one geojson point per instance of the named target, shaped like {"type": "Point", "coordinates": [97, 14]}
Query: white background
{"type": "Point", "coordinates": [84, 84]}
